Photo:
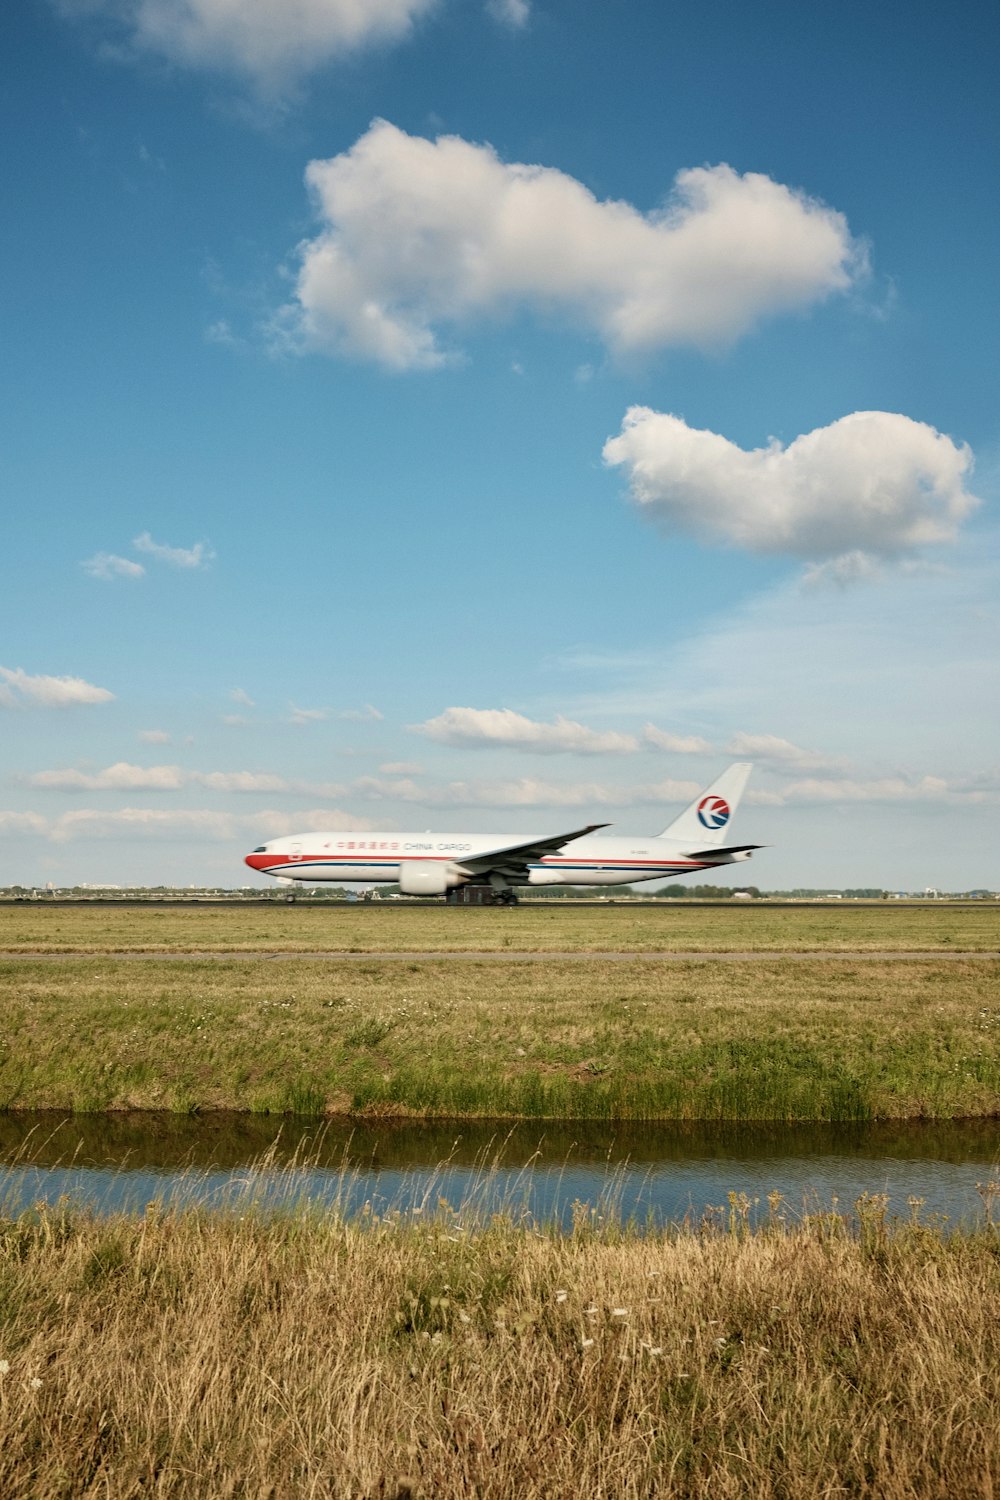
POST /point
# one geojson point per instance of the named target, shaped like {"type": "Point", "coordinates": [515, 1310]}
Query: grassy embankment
{"type": "Point", "coordinates": [809, 1040]}
{"type": "Point", "coordinates": [390, 927]}
{"type": "Point", "coordinates": [301, 1355]}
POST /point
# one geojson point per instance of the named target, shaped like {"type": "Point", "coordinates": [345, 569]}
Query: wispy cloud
{"type": "Point", "coordinates": [142, 824]}
{"type": "Point", "coordinates": [154, 737]}
{"type": "Point", "coordinates": [124, 776]}
{"type": "Point", "coordinates": [18, 689]}
{"type": "Point", "coordinates": [678, 744]}
{"type": "Point", "coordinates": [771, 748]}
{"type": "Point", "coordinates": [120, 777]}
{"type": "Point", "coordinates": [198, 556]}
{"type": "Point", "coordinates": [504, 728]}
{"type": "Point", "coordinates": [513, 13]}
{"type": "Point", "coordinates": [368, 714]}
{"type": "Point", "coordinates": [307, 715]}
{"type": "Point", "coordinates": [108, 565]}
{"type": "Point", "coordinates": [270, 46]}
{"type": "Point", "coordinates": [237, 695]}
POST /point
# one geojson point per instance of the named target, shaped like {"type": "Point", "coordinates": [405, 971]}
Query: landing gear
{"type": "Point", "coordinates": [480, 895]}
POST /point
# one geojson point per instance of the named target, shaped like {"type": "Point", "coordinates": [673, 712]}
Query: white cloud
{"type": "Point", "coordinates": [120, 777]}
{"type": "Point", "coordinates": [502, 727]}
{"type": "Point", "coordinates": [271, 43]}
{"type": "Point", "coordinates": [274, 824]}
{"type": "Point", "coordinates": [365, 715]}
{"type": "Point", "coordinates": [871, 485]}
{"type": "Point", "coordinates": [769, 747]}
{"type": "Point", "coordinates": [524, 791]}
{"type": "Point", "coordinates": [23, 822]}
{"type": "Point", "coordinates": [237, 695]}
{"type": "Point", "coordinates": [19, 689]}
{"type": "Point", "coordinates": [219, 332]}
{"type": "Point", "coordinates": [418, 235]}
{"type": "Point", "coordinates": [108, 565]}
{"type": "Point", "coordinates": [679, 744]}
{"type": "Point", "coordinates": [123, 776]}
{"type": "Point", "coordinates": [141, 824]}
{"type": "Point", "coordinates": [154, 737]}
{"type": "Point", "coordinates": [307, 715]}
{"type": "Point", "coordinates": [513, 13]}
{"type": "Point", "coordinates": [197, 556]}
{"type": "Point", "coordinates": [240, 781]}
{"type": "Point", "coordinates": [401, 768]}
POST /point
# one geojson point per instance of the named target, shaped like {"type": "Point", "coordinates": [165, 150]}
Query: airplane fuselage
{"type": "Point", "coordinates": [369, 857]}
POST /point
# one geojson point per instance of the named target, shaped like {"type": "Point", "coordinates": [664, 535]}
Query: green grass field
{"type": "Point", "coordinates": [389, 927]}
{"type": "Point", "coordinates": [811, 1039]}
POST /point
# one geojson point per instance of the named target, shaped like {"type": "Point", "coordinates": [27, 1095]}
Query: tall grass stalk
{"type": "Point", "coordinates": [447, 1354]}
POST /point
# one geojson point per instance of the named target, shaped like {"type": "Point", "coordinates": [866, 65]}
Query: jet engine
{"type": "Point", "coordinates": [418, 877]}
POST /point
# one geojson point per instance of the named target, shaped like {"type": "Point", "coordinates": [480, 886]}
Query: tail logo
{"type": "Point", "coordinates": [713, 812]}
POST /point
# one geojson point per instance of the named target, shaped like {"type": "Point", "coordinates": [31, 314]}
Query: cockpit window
{"type": "Point", "coordinates": [261, 850]}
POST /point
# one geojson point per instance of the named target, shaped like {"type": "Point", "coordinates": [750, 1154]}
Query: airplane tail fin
{"type": "Point", "coordinates": [706, 822]}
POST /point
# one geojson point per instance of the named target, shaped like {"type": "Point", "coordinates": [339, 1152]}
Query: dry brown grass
{"type": "Point", "coordinates": [305, 1356]}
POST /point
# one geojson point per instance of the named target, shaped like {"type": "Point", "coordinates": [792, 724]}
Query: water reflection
{"type": "Point", "coordinates": [662, 1172]}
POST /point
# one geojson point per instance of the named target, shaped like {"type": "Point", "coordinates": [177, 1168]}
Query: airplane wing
{"type": "Point", "coordinates": [513, 860]}
{"type": "Point", "coordinates": [718, 854]}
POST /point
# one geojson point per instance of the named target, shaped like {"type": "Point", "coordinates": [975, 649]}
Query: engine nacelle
{"type": "Point", "coordinates": [418, 877]}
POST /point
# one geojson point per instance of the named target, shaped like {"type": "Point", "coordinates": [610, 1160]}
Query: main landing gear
{"type": "Point", "coordinates": [481, 895]}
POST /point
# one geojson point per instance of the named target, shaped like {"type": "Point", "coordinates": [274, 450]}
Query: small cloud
{"type": "Point", "coordinates": [108, 565]}
{"type": "Point", "coordinates": [679, 744]}
{"type": "Point", "coordinates": [120, 777]}
{"type": "Point", "coordinates": [197, 556]}
{"type": "Point", "coordinates": [842, 572]}
{"type": "Point", "coordinates": [18, 689]}
{"type": "Point", "coordinates": [307, 715]}
{"type": "Point", "coordinates": [583, 374]}
{"type": "Point", "coordinates": [154, 163]}
{"type": "Point", "coordinates": [240, 781]}
{"type": "Point", "coordinates": [271, 45]}
{"type": "Point", "coordinates": [401, 768]}
{"type": "Point", "coordinates": [362, 715]}
{"type": "Point", "coordinates": [221, 333]}
{"type": "Point", "coordinates": [239, 696]}
{"type": "Point", "coordinates": [234, 721]}
{"type": "Point", "coordinates": [770, 747]}
{"type": "Point", "coordinates": [502, 727]}
{"type": "Point", "coordinates": [154, 737]}
{"type": "Point", "coordinates": [513, 13]}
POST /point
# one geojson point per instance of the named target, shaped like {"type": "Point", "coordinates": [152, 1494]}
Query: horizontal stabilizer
{"type": "Point", "coordinates": [722, 855]}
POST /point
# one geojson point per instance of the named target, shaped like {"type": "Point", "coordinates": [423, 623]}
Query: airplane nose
{"type": "Point", "coordinates": [258, 861]}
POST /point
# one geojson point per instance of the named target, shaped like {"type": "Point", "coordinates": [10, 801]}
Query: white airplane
{"type": "Point", "coordinates": [431, 864]}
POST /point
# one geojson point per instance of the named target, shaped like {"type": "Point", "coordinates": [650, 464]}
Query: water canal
{"type": "Point", "coordinates": [651, 1173]}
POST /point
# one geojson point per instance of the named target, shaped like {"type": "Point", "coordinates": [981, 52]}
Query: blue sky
{"type": "Point", "coordinates": [498, 416]}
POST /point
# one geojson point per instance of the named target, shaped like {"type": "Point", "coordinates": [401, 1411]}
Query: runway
{"type": "Point", "coordinates": [815, 955]}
